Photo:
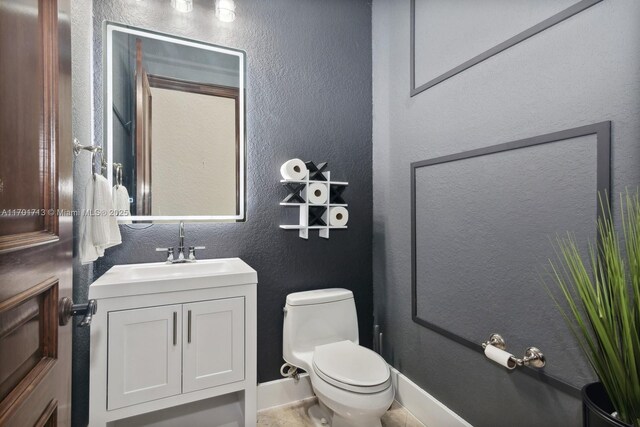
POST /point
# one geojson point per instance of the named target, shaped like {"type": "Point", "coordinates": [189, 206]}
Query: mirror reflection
{"type": "Point", "coordinates": [175, 129]}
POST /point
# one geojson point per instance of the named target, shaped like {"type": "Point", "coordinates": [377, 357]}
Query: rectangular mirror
{"type": "Point", "coordinates": [174, 129]}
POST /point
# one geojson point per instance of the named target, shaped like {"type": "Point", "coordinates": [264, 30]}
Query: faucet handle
{"type": "Point", "coordinates": [192, 251]}
{"type": "Point", "coordinates": [169, 251]}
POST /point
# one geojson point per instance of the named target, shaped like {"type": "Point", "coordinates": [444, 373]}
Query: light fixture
{"type": "Point", "coordinates": [182, 5]}
{"type": "Point", "coordinates": [225, 10]}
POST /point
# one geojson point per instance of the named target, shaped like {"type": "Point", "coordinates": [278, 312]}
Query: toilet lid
{"type": "Point", "coordinates": [352, 367]}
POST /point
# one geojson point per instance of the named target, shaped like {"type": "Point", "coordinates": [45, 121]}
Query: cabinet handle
{"type": "Point", "coordinates": [189, 327]}
{"type": "Point", "coordinates": [175, 328]}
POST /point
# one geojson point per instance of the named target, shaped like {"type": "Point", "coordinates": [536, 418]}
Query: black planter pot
{"type": "Point", "coordinates": [597, 408]}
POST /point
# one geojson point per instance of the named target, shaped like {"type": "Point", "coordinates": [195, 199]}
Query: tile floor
{"type": "Point", "coordinates": [295, 415]}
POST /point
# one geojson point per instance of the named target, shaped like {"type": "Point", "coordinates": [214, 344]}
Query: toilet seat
{"type": "Point", "coordinates": [351, 367]}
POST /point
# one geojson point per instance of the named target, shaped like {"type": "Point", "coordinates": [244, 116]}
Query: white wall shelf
{"type": "Point", "coordinates": [304, 207]}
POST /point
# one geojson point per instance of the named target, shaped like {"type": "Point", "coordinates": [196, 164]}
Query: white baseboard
{"type": "Point", "coordinates": [283, 392]}
{"type": "Point", "coordinates": [426, 408]}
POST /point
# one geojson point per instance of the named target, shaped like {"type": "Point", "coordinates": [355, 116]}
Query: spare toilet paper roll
{"type": "Point", "coordinates": [500, 356]}
{"type": "Point", "coordinates": [317, 193]}
{"type": "Point", "coordinates": [294, 169]}
{"type": "Point", "coordinates": [338, 216]}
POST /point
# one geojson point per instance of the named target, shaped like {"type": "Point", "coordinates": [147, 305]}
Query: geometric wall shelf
{"type": "Point", "coordinates": [313, 216]}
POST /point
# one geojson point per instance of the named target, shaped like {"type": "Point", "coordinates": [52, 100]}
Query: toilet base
{"type": "Point", "coordinates": [321, 416]}
{"type": "Point", "coordinates": [338, 421]}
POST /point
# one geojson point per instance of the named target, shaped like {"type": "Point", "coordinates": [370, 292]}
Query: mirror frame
{"type": "Point", "coordinates": [109, 28]}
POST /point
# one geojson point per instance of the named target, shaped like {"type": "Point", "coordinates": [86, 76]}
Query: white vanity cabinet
{"type": "Point", "coordinates": [144, 355]}
{"type": "Point", "coordinates": [213, 354]}
{"type": "Point", "coordinates": [167, 335]}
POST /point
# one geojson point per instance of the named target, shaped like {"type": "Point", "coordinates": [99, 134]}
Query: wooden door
{"type": "Point", "coordinates": [213, 343]}
{"type": "Point", "coordinates": [35, 242]}
{"type": "Point", "coordinates": [143, 136]}
{"type": "Point", "coordinates": [144, 356]}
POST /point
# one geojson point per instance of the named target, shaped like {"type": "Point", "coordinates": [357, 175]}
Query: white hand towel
{"type": "Point", "coordinates": [86, 248]}
{"type": "Point", "coordinates": [105, 226]}
{"type": "Point", "coordinates": [98, 225]}
{"type": "Point", "coordinates": [121, 202]}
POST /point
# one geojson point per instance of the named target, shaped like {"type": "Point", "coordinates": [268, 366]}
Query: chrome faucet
{"type": "Point", "coordinates": [181, 245]}
{"type": "Point", "coordinates": [181, 258]}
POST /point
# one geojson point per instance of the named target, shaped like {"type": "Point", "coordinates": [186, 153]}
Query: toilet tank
{"type": "Point", "coordinates": [313, 318]}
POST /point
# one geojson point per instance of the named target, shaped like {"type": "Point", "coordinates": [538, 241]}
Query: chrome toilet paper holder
{"type": "Point", "coordinates": [533, 356]}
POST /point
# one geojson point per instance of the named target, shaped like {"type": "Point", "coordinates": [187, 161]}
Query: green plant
{"type": "Point", "coordinates": [603, 299]}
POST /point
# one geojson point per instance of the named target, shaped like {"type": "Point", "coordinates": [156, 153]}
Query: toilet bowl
{"type": "Point", "coordinates": [352, 383]}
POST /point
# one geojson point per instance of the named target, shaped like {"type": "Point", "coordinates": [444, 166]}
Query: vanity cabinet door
{"type": "Point", "coordinates": [145, 355]}
{"type": "Point", "coordinates": [213, 343]}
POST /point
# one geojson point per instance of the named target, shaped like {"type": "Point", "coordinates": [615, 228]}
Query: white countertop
{"type": "Point", "coordinates": [158, 277]}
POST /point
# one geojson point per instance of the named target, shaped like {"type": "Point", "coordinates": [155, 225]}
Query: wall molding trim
{"type": "Point", "coordinates": [426, 408]}
{"type": "Point", "coordinates": [529, 32]}
{"type": "Point", "coordinates": [284, 392]}
{"type": "Point", "coordinates": [602, 130]}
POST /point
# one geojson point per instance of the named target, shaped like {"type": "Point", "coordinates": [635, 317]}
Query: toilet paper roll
{"type": "Point", "coordinates": [338, 216]}
{"type": "Point", "coordinates": [317, 193]}
{"type": "Point", "coordinates": [500, 356]}
{"type": "Point", "coordinates": [294, 169]}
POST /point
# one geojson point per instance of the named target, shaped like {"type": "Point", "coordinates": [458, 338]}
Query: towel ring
{"type": "Point", "coordinates": [118, 167]}
{"type": "Point", "coordinates": [94, 150]}
{"type": "Point", "coordinates": [94, 165]}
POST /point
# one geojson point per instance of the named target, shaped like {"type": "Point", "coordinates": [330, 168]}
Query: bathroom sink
{"type": "Point", "coordinates": [154, 271]}
{"type": "Point", "coordinates": [137, 279]}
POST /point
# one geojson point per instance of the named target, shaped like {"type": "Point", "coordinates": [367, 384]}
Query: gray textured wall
{"type": "Point", "coordinates": [308, 96]}
{"type": "Point", "coordinates": [493, 217]}
{"type": "Point", "coordinates": [581, 71]}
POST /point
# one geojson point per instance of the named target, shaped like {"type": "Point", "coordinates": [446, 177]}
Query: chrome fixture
{"type": "Point", "coordinates": [495, 340]}
{"type": "Point", "coordinates": [289, 371]}
{"type": "Point", "coordinates": [181, 245]}
{"type": "Point", "coordinates": [225, 10]}
{"type": "Point", "coordinates": [192, 252]}
{"type": "Point", "coordinates": [377, 339]}
{"type": "Point", "coordinates": [181, 258]}
{"type": "Point", "coordinates": [533, 356]}
{"type": "Point", "coordinates": [169, 251]}
{"type": "Point", "coordinates": [77, 147]}
{"type": "Point", "coordinates": [184, 6]}
{"type": "Point", "coordinates": [118, 173]}
{"type": "Point", "coordinates": [68, 309]}
{"type": "Point", "coordinates": [94, 150]}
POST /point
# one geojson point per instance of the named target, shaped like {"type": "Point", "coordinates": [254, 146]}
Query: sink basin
{"type": "Point", "coordinates": [157, 271]}
{"type": "Point", "coordinates": [138, 279]}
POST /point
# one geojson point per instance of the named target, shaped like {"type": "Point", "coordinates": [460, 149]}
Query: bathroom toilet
{"type": "Point", "coordinates": [320, 336]}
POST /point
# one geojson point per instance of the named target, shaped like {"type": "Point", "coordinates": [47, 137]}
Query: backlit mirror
{"type": "Point", "coordinates": [174, 126]}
